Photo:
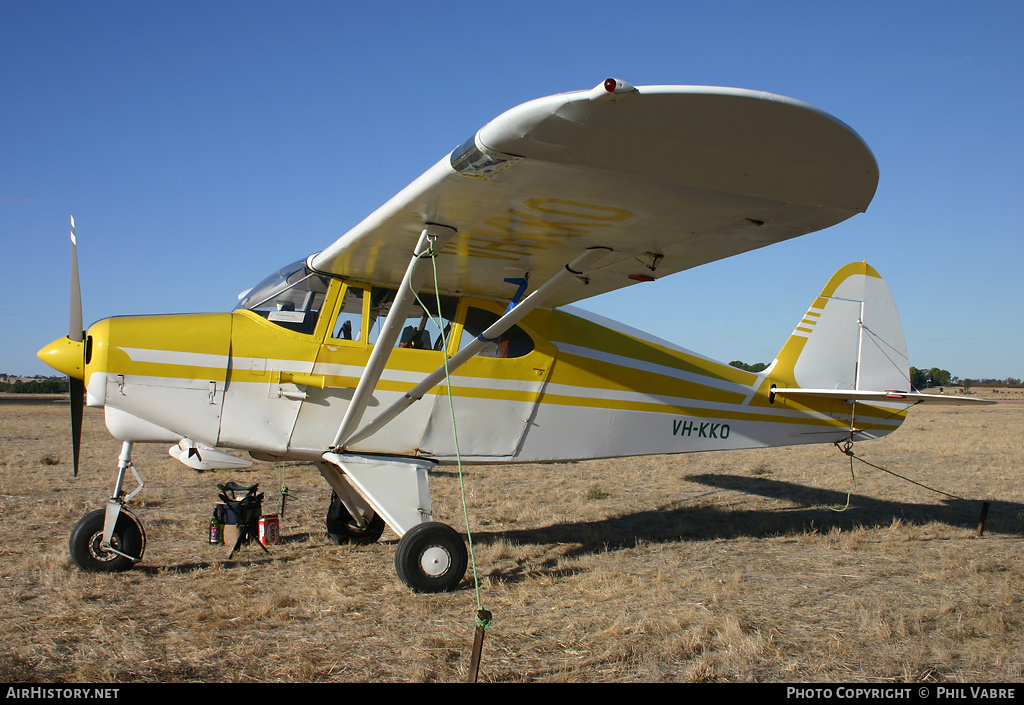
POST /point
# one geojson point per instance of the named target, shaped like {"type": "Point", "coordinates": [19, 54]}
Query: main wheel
{"type": "Point", "coordinates": [431, 557]}
{"type": "Point", "coordinates": [84, 543]}
{"type": "Point", "coordinates": [342, 528]}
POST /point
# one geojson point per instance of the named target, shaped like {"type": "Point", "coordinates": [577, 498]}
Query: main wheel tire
{"type": "Point", "coordinates": [342, 528]}
{"type": "Point", "coordinates": [84, 543]}
{"type": "Point", "coordinates": [431, 557]}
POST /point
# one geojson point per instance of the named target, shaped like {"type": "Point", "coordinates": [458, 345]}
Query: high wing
{"type": "Point", "coordinates": [668, 177]}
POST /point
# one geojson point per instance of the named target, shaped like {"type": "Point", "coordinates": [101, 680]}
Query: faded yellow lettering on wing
{"type": "Point", "coordinates": [577, 209]}
{"type": "Point", "coordinates": [533, 226]}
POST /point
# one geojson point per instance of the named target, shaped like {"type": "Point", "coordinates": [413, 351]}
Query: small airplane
{"type": "Point", "coordinates": [450, 304]}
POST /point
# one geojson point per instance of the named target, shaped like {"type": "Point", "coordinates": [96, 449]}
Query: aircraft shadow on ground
{"type": "Point", "coordinates": [810, 510]}
{"type": "Point", "coordinates": [812, 513]}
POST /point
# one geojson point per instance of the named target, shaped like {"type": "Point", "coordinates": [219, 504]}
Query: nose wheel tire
{"type": "Point", "coordinates": [431, 557]}
{"type": "Point", "coordinates": [87, 553]}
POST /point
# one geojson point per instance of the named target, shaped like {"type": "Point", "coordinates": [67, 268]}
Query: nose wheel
{"type": "Point", "coordinates": [90, 554]}
{"type": "Point", "coordinates": [431, 557]}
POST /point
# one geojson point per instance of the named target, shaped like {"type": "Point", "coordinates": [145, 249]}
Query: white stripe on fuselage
{"type": "Point", "coordinates": [192, 359]}
{"type": "Point", "coordinates": [176, 357]}
{"type": "Point", "coordinates": [634, 364]}
{"type": "Point", "coordinates": [173, 357]}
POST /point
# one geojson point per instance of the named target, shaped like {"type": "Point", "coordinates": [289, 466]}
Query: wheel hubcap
{"type": "Point", "coordinates": [435, 561]}
{"type": "Point", "coordinates": [98, 552]}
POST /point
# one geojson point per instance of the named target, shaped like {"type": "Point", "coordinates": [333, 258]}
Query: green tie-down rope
{"type": "Point", "coordinates": [853, 478]}
{"type": "Point", "coordinates": [285, 496]}
{"type": "Point", "coordinates": [847, 449]}
{"type": "Point", "coordinates": [481, 621]}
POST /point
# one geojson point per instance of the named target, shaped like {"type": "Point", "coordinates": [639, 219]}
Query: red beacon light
{"type": "Point", "coordinates": [611, 89]}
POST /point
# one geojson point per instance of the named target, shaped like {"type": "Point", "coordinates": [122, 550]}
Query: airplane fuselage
{"type": "Point", "coordinates": [560, 386]}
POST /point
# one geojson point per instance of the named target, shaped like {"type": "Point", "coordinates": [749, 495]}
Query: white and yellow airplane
{"type": "Point", "coordinates": [450, 303]}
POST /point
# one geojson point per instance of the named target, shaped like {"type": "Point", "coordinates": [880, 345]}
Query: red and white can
{"type": "Point", "coordinates": [270, 530]}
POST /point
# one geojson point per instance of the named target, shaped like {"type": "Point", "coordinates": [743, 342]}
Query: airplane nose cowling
{"type": "Point", "coordinates": [65, 355]}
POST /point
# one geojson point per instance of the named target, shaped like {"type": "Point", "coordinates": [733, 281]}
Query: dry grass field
{"type": "Point", "coordinates": [731, 567]}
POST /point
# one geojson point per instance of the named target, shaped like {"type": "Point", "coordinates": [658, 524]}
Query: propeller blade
{"type": "Point", "coordinates": [77, 411]}
{"type": "Point", "coordinates": [76, 329]}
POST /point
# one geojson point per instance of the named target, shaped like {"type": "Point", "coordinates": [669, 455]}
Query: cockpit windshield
{"type": "Point", "coordinates": [290, 297]}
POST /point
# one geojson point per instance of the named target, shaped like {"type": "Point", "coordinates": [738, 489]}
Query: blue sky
{"type": "Point", "coordinates": [201, 145]}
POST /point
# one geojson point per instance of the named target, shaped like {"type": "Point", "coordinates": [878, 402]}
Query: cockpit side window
{"type": "Point", "coordinates": [292, 298]}
{"type": "Point", "coordinates": [349, 323]}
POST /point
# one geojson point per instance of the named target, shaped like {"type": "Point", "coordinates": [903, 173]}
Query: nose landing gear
{"type": "Point", "coordinates": [110, 539]}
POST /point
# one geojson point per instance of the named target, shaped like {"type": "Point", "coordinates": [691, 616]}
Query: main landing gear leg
{"type": "Point", "coordinates": [110, 539]}
{"type": "Point", "coordinates": [431, 557]}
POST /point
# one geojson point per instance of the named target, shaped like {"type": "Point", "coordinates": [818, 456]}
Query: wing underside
{"type": "Point", "coordinates": [668, 177]}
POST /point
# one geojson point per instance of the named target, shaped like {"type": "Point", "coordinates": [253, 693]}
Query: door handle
{"type": "Point", "coordinates": [310, 380]}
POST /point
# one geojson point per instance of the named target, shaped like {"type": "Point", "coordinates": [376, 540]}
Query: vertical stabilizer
{"type": "Point", "coordinates": [850, 338]}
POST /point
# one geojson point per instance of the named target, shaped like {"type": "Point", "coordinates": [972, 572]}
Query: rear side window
{"type": "Point", "coordinates": [514, 342]}
{"type": "Point", "coordinates": [426, 327]}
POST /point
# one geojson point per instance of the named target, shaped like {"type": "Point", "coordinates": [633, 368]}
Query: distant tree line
{"type": "Point", "coordinates": [756, 367]}
{"type": "Point", "coordinates": [941, 378]}
{"type": "Point", "coordinates": [933, 377]}
{"type": "Point", "coordinates": [38, 385]}
{"type": "Point", "coordinates": [986, 382]}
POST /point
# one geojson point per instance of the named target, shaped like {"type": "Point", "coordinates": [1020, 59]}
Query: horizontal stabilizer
{"type": "Point", "coordinates": [855, 395]}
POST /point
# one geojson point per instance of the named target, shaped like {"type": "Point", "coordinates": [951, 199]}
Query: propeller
{"type": "Point", "coordinates": [76, 333]}
{"type": "Point", "coordinates": [69, 354]}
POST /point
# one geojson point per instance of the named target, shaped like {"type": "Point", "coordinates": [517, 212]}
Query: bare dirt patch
{"type": "Point", "coordinates": [705, 567]}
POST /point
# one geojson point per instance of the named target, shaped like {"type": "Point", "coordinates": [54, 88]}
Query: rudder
{"type": "Point", "coordinates": [850, 338]}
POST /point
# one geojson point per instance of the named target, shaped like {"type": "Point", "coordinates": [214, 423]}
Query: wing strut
{"type": "Point", "coordinates": [432, 235]}
{"type": "Point", "coordinates": [571, 271]}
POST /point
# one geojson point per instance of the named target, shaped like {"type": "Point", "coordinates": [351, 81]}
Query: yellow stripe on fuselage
{"type": "Point", "coordinates": [562, 327]}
